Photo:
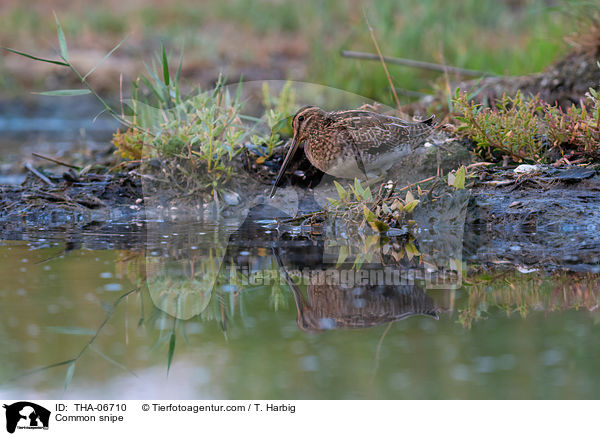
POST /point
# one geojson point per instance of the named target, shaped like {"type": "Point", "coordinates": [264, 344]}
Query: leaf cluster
{"type": "Point", "coordinates": [381, 212]}
{"type": "Point", "coordinates": [527, 129]}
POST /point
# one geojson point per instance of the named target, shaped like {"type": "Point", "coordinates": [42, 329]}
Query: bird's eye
{"type": "Point", "coordinates": [301, 118]}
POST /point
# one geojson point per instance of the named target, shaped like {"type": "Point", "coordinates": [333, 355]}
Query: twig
{"type": "Point", "coordinates": [303, 217]}
{"type": "Point", "coordinates": [479, 164]}
{"type": "Point", "coordinates": [428, 179]}
{"type": "Point", "coordinates": [382, 60]}
{"type": "Point", "coordinates": [446, 80]}
{"type": "Point", "coordinates": [42, 177]}
{"type": "Point", "coordinates": [56, 161]}
{"type": "Point", "coordinates": [415, 64]}
{"type": "Point", "coordinates": [121, 95]}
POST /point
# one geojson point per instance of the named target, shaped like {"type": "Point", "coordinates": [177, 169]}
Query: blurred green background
{"type": "Point", "coordinates": [273, 39]}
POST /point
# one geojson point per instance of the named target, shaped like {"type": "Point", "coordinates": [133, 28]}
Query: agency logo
{"type": "Point", "coordinates": [26, 415]}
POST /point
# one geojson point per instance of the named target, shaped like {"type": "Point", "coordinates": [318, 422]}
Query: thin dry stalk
{"type": "Point", "coordinates": [387, 73]}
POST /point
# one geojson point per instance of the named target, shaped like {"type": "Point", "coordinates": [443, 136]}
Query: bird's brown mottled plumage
{"type": "Point", "coordinates": [352, 143]}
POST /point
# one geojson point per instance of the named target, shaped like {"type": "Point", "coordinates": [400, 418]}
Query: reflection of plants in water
{"type": "Point", "coordinates": [392, 227]}
{"type": "Point", "coordinates": [383, 210]}
{"type": "Point", "coordinates": [88, 346]}
{"type": "Point", "coordinates": [361, 249]}
{"type": "Point", "coordinates": [278, 298]}
{"type": "Point", "coordinates": [221, 308]}
{"type": "Point", "coordinates": [524, 293]}
{"type": "Point", "coordinates": [132, 265]}
{"type": "Point", "coordinates": [198, 285]}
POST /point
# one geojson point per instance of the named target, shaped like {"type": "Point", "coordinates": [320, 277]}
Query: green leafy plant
{"type": "Point", "coordinates": [278, 117]}
{"type": "Point", "coordinates": [527, 128]}
{"type": "Point", "coordinates": [381, 212]}
{"type": "Point", "coordinates": [511, 128]}
{"type": "Point", "coordinates": [457, 178]}
{"type": "Point", "coordinates": [196, 136]}
{"type": "Point", "coordinates": [64, 62]}
{"type": "Point", "coordinates": [522, 294]}
{"type": "Point", "coordinates": [578, 127]}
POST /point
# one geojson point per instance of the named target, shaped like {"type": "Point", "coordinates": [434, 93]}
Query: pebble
{"type": "Point", "coordinates": [527, 169]}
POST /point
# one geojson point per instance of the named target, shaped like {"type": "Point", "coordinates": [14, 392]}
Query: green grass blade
{"type": "Point", "coordinates": [106, 56]}
{"type": "Point", "coordinates": [161, 340]}
{"type": "Point", "coordinates": [151, 87]}
{"type": "Point", "coordinates": [66, 330]}
{"type": "Point", "coordinates": [358, 189]}
{"type": "Point", "coordinates": [218, 86]}
{"type": "Point", "coordinates": [44, 368]}
{"type": "Point", "coordinates": [159, 84]}
{"type": "Point", "coordinates": [178, 73]}
{"type": "Point", "coordinates": [65, 92]}
{"type": "Point", "coordinates": [366, 195]}
{"type": "Point", "coordinates": [69, 375]}
{"type": "Point", "coordinates": [172, 341]}
{"type": "Point", "coordinates": [165, 65]}
{"type": "Point", "coordinates": [154, 76]}
{"type": "Point", "coordinates": [238, 90]}
{"type": "Point", "coordinates": [177, 77]}
{"type": "Point", "coordinates": [62, 42]}
{"type": "Point", "coordinates": [342, 255]}
{"type": "Point", "coordinates": [109, 359]}
{"type": "Point", "coordinates": [98, 115]}
{"type": "Point", "coordinates": [249, 118]}
{"type": "Point", "coordinates": [35, 58]}
{"type": "Point", "coordinates": [369, 216]}
{"type": "Point", "coordinates": [410, 206]}
{"type": "Point", "coordinates": [184, 333]}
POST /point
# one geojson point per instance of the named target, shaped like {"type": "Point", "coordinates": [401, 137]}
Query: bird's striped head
{"type": "Point", "coordinates": [301, 123]}
{"type": "Point", "coordinates": [304, 118]}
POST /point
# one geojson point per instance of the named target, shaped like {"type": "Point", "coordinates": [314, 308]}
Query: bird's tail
{"type": "Point", "coordinates": [422, 129]}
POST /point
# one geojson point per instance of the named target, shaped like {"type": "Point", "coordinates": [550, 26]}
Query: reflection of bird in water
{"type": "Point", "coordinates": [352, 143]}
{"type": "Point", "coordinates": [340, 306]}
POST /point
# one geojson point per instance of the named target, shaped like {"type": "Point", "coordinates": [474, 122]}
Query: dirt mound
{"type": "Point", "coordinates": [565, 82]}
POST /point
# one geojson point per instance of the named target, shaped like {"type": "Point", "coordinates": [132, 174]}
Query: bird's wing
{"type": "Point", "coordinates": [371, 131]}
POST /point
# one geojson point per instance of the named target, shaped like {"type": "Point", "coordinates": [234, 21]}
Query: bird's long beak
{"type": "Point", "coordinates": [286, 162]}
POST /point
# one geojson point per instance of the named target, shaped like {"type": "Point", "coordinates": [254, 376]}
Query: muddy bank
{"type": "Point", "coordinates": [547, 218]}
{"type": "Point", "coordinates": [565, 82]}
{"type": "Point", "coordinates": [69, 201]}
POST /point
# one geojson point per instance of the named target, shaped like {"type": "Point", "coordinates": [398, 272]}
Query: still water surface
{"type": "Point", "coordinates": [503, 335]}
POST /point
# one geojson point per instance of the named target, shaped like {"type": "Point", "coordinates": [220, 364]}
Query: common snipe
{"type": "Point", "coordinates": [352, 143]}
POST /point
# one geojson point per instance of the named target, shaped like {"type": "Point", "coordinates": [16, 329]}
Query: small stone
{"type": "Point", "coordinates": [525, 270]}
{"type": "Point", "coordinates": [527, 169]}
{"type": "Point", "coordinates": [575, 174]}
